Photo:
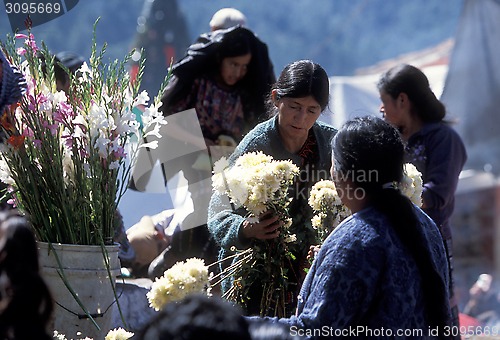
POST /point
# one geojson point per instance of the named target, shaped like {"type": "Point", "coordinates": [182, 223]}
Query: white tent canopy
{"type": "Point", "coordinates": [358, 95]}
{"type": "Point", "coordinates": [472, 89]}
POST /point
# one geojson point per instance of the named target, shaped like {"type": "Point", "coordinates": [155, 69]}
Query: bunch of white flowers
{"type": "Point", "coordinates": [118, 334]}
{"type": "Point", "coordinates": [181, 280]}
{"type": "Point", "coordinates": [326, 203]}
{"type": "Point", "coordinates": [411, 184]}
{"type": "Point", "coordinates": [255, 181]}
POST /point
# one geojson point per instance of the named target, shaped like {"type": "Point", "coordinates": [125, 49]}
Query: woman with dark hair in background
{"type": "Point", "coordinates": [25, 300]}
{"type": "Point", "coordinates": [293, 133]}
{"type": "Point", "coordinates": [432, 145]}
{"type": "Point", "coordinates": [225, 76]}
{"type": "Point", "coordinates": [383, 271]}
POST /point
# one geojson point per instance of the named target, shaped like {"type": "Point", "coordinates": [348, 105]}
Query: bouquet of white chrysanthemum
{"type": "Point", "coordinates": [181, 280]}
{"type": "Point", "coordinates": [259, 183]}
{"type": "Point", "coordinates": [411, 185]}
{"type": "Point", "coordinates": [328, 208]}
{"type": "Point", "coordinates": [256, 181]}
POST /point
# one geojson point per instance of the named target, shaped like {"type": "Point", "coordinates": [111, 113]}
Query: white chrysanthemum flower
{"type": "Point", "coordinates": [328, 206]}
{"type": "Point", "coordinates": [411, 185]}
{"type": "Point", "coordinates": [287, 223]}
{"type": "Point", "coordinates": [59, 336]}
{"type": "Point", "coordinates": [221, 165]}
{"type": "Point", "coordinates": [290, 238]}
{"type": "Point", "coordinates": [238, 191]}
{"type": "Point", "coordinates": [182, 279]}
{"type": "Point", "coordinates": [324, 196]}
{"type": "Point", "coordinates": [118, 334]}
{"type": "Point", "coordinates": [317, 221]}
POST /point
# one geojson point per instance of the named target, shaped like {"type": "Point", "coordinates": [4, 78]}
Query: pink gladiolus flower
{"type": "Point", "coordinates": [21, 51]}
{"type": "Point", "coordinates": [52, 127]}
{"type": "Point", "coordinates": [37, 143]}
{"type": "Point", "coordinates": [32, 44]}
{"type": "Point", "coordinates": [64, 112]}
{"type": "Point", "coordinates": [12, 202]}
{"type": "Point", "coordinates": [119, 152]}
{"type": "Point", "coordinates": [68, 141]}
{"type": "Point", "coordinates": [32, 106]}
{"type": "Point", "coordinates": [27, 132]}
{"type": "Point", "coordinates": [58, 116]}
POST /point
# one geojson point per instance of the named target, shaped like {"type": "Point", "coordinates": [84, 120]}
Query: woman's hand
{"type": "Point", "coordinates": [266, 228]}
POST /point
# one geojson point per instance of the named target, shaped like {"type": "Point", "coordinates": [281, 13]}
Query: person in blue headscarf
{"type": "Point", "coordinates": [12, 83]}
{"type": "Point", "coordinates": [12, 88]}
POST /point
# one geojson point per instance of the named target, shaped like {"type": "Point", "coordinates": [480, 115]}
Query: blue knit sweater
{"type": "Point", "coordinates": [364, 280]}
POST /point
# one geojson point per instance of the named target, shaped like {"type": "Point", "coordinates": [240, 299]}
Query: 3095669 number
{"type": "Point", "coordinates": [32, 8]}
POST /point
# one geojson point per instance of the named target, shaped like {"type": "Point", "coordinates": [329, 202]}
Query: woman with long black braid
{"type": "Point", "coordinates": [383, 271]}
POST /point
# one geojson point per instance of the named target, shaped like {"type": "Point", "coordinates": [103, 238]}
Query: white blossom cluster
{"type": "Point", "coordinates": [181, 280]}
{"type": "Point", "coordinates": [411, 185]}
{"type": "Point", "coordinates": [327, 204]}
{"type": "Point", "coordinates": [255, 181]}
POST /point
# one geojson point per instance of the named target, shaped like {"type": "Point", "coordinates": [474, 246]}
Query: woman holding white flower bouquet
{"type": "Point", "coordinates": [293, 133]}
{"type": "Point", "coordinates": [384, 267]}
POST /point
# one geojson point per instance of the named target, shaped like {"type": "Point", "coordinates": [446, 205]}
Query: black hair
{"type": "Point", "coordinates": [24, 294]}
{"type": "Point", "coordinates": [235, 43]}
{"type": "Point", "coordinates": [300, 79]}
{"type": "Point", "coordinates": [64, 63]}
{"type": "Point", "coordinates": [370, 145]}
{"type": "Point", "coordinates": [197, 317]}
{"type": "Point", "coordinates": [70, 60]}
{"type": "Point", "coordinates": [408, 79]}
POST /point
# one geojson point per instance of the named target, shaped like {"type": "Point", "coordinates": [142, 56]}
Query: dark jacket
{"type": "Point", "coordinates": [203, 58]}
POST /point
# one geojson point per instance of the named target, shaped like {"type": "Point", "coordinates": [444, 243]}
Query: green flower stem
{"type": "Point", "coordinates": [60, 271]}
{"type": "Point", "coordinates": [231, 270]}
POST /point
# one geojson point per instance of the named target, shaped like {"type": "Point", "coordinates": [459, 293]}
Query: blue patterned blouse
{"type": "Point", "coordinates": [364, 279]}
